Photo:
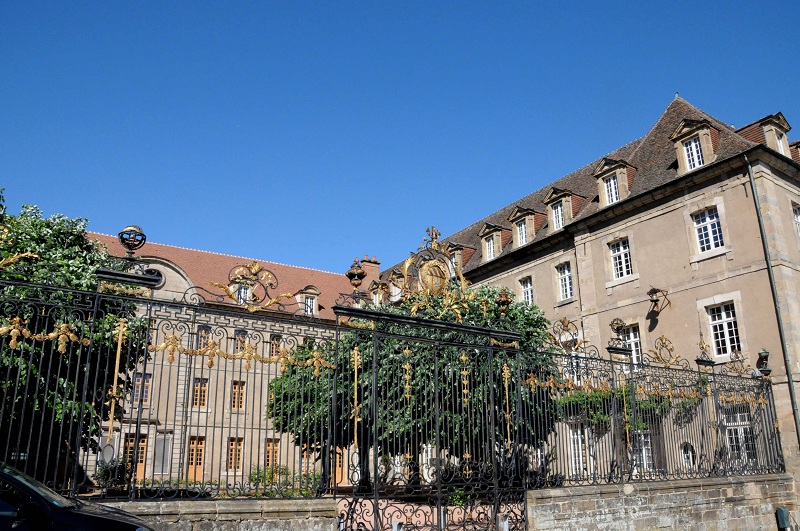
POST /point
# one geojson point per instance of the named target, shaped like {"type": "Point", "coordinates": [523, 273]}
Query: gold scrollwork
{"type": "Point", "coordinates": [504, 344]}
{"type": "Point", "coordinates": [569, 385]}
{"type": "Point", "coordinates": [172, 345]}
{"type": "Point", "coordinates": [62, 333]}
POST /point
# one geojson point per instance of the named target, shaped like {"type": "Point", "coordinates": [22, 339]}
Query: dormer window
{"type": "Point", "coordinates": [780, 140]}
{"type": "Point", "coordinates": [612, 189]}
{"type": "Point", "coordinates": [693, 152]}
{"type": "Point", "coordinates": [695, 144]}
{"type": "Point", "coordinates": [614, 178]}
{"type": "Point", "coordinates": [563, 205]}
{"type": "Point", "coordinates": [558, 215]}
{"type": "Point", "coordinates": [493, 238]}
{"type": "Point", "coordinates": [525, 222]}
{"type": "Point", "coordinates": [308, 300]}
{"type": "Point", "coordinates": [522, 232]}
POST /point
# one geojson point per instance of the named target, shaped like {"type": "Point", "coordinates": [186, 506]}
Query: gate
{"type": "Point", "coordinates": [428, 415]}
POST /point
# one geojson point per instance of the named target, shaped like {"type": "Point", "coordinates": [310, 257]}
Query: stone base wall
{"type": "Point", "coordinates": [709, 504]}
{"type": "Point", "coordinates": [230, 515]}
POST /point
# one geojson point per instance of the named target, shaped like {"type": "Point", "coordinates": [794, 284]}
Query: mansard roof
{"type": "Point", "coordinates": [201, 268]}
{"type": "Point", "coordinates": [653, 156]}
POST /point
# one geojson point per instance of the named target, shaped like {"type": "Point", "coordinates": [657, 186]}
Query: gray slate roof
{"type": "Point", "coordinates": [653, 156]}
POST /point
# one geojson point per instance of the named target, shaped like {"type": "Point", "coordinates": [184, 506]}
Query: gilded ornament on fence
{"type": "Point", "coordinates": [407, 368]}
{"type": "Point", "coordinates": [464, 378]}
{"type": "Point", "coordinates": [62, 333]}
{"type": "Point", "coordinates": [172, 345]}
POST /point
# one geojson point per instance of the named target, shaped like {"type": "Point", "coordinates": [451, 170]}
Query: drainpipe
{"type": "Point", "coordinates": [781, 333]}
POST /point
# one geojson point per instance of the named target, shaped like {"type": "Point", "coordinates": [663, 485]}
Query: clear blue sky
{"type": "Point", "coordinates": [311, 132]}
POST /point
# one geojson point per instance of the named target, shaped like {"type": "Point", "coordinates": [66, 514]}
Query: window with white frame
{"type": "Point", "coordinates": [621, 265]}
{"type": "Point", "coordinates": [564, 281]}
{"type": "Point", "coordinates": [243, 293]}
{"type": "Point", "coordinates": [642, 450]}
{"type": "Point", "coordinates": [612, 189]}
{"type": "Point", "coordinates": [489, 247]}
{"type": "Point", "coordinates": [558, 215]}
{"type": "Point", "coordinates": [633, 342]}
{"type": "Point", "coordinates": [739, 433]}
{"type": "Point", "coordinates": [724, 329]}
{"type": "Point", "coordinates": [689, 455]}
{"type": "Point", "coordinates": [708, 228]}
{"type": "Point", "coordinates": [779, 139]}
{"type": "Point", "coordinates": [310, 305]}
{"type": "Point", "coordinates": [694, 153]}
{"type": "Point", "coordinates": [522, 232]}
{"type": "Point", "coordinates": [577, 446]}
{"type": "Point", "coordinates": [796, 214]}
{"type": "Point", "coordinates": [526, 284]}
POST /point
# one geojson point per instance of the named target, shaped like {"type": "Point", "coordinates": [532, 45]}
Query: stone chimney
{"type": "Point", "coordinates": [372, 268]}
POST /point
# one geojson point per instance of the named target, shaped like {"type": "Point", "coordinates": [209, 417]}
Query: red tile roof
{"type": "Point", "coordinates": [205, 267]}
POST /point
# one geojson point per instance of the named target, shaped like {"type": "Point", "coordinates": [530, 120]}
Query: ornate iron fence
{"type": "Point", "coordinates": [406, 421]}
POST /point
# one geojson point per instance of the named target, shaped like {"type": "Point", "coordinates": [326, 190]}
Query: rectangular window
{"type": "Point", "coordinates": [307, 462]}
{"type": "Point", "coordinates": [724, 329]}
{"type": "Point", "coordinates": [237, 395]}
{"type": "Point", "coordinates": [632, 340]}
{"type": "Point", "coordinates": [275, 344]}
{"type": "Point", "coordinates": [489, 247]}
{"type": "Point", "coordinates": [272, 453]}
{"type": "Point", "coordinates": [612, 189]}
{"type": "Point", "coordinates": [197, 451]}
{"type": "Point", "coordinates": [162, 454]}
{"type": "Point", "coordinates": [141, 388]}
{"type": "Point", "coordinates": [522, 232]}
{"type": "Point", "coordinates": [642, 451]}
{"type": "Point", "coordinates": [527, 290]}
{"type": "Point", "coordinates": [708, 229]}
{"type": "Point", "coordinates": [309, 305]}
{"type": "Point", "coordinates": [558, 215]}
{"type": "Point", "coordinates": [796, 214]}
{"type": "Point", "coordinates": [200, 392]}
{"type": "Point", "coordinates": [577, 436]}
{"type": "Point", "coordinates": [564, 281]}
{"type": "Point", "coordinates": [235, 453]}
{"type": "Point", "coordinates": [135, 452]}
{"type": "Point", "coordinates": [240, 339]}
{"type": "Point", "coordinates": [739, 434]}
{"type": "Point", "coordinates": [243, 294]}
{"type": "Point", "coordinates": [694, 154]}
{"type": "Point", "coordinates": [621, 258]}
{"type": "Point", "coordinates": [203, 336]}
{"type": "Point", "coordinates": [779, 139]}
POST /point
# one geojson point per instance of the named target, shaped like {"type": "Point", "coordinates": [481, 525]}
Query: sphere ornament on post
{"type": "Point", "coordinates": [132, 238]}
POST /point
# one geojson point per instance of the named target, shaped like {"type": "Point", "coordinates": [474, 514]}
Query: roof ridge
{"type": "Point", "coordinates": [227, 255]}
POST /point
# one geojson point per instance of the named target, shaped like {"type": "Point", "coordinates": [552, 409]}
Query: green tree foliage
{"type": "Point", "coordinates": [58, 345]}
{"type": "Point", "coordinates": [417, 367]}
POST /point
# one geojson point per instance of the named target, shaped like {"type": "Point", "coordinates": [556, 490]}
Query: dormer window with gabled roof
{"type": "Point", "coordinates": [492, 237]}
{"type": "Point", "coordinates": [695, 144]}
{"type": "Point", "coordinates": [775, 128]}
{"type": "Point", "coordinates": [614, 179]}
{"type": "Point", "coordinates": [562, 206]}
{"type": "Point", "coordinates": [526, 223]}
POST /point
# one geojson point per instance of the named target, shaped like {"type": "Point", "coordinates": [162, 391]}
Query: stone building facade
{"type": "Point", "coordinates": [691, 232]}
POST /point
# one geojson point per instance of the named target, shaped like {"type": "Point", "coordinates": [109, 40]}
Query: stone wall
{"type": "Point", "coordinates": [708, 504]}
{"type": "Point", "coordinates": [230, 515]}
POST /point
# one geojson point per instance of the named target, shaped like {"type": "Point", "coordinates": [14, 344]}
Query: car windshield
{"type": "Point", "coordinates": [50, 495]}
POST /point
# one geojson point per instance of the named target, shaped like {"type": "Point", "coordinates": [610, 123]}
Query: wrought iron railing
{"type": "Point", "coordinates": [119, 395]}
